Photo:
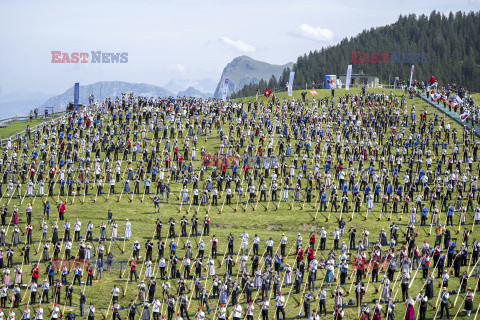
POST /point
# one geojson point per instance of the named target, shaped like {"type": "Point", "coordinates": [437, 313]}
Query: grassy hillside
{"type": "Point", "coordinates": [266, 220]}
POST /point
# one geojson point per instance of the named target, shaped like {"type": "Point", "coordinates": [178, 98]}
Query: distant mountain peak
{"type": "Point", "coordinates": [244, 70]}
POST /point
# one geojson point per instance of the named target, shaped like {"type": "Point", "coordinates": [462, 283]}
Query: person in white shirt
{"type": "Point", "coordinates": [200, 315]}
{"type": "Point", "coordinates": [250, 309]}
{"type": "Point", "coordinates": [55, 311]}
{"type": "Point", "coordinates": [26, 313]}
{"type": "Point", "coordinates": [237, 312]}
{"type": "Point", "coordinates": [222, 311]}
{"type": "Point", "coordinates": [280, 301]}
{"type": "Point", "coordinates": [265, 305]}
{"type": "Point", "coordinates": [156, 309]}
{"type": "Point", "coordinates": [77, 226]}
{"type": "Point", "coordinates": [11, 314]}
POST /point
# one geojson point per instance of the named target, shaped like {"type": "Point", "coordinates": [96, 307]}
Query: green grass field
{"type": "Point", "coordinates": [257, 218]}
{"type": "Point", "coordinates": [18, 126]}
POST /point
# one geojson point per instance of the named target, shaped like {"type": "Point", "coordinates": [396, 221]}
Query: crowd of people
{"type": "Point", "coordinates": [369, 156]}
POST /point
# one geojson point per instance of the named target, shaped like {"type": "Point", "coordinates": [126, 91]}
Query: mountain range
{"type": "Point", "coordinates": [107, 89]}
{"type": "Point", "coordinates": [241, 70]}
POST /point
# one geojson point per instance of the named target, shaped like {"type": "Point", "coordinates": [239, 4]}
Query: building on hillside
{"type": "Point", "coordinates": [360, 79]}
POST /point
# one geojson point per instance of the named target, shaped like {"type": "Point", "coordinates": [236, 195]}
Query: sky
{"type": "Point", "coordinates": [167, 39]}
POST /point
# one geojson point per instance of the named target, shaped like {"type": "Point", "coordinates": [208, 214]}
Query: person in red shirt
{"type": "Point", "coordinates": [309, 254]}
{"type": "Point", "coordinates": [299, 255]}
{"type": "Point", "coordinates": [61, 211]}
{"type": "Point", "coordinates": [133, 270]}
{"type": "Point", "coordinates": [312, 240]}
{"type": "Point", "coordinates": [167, 162]}
{"type": "Point", "coordinates": [35, 273]}
{"type": "Point", "coordinates": [245, 169]}
{"type": "Point", "coordinates": [224, 170]}
{"type": "Point", "coordinates": [90, 275]}
{"type": "Point", "coordinates": [175, 153]}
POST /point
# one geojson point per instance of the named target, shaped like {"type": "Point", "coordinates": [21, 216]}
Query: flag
{"type": "Point", "coordinates": [313, 92]}
{"type": "Point", "coordinates": [411, 74]}
{"type": "Point", "coordinates": [465, 115]}
{"type": "Point", "coordinates": [459, 100]}
{"type": "Point", "coordinates": [349, 77]}
{"type": "Point", "coordinates": [76, 95]}
{"type": "Point", "coordinates": [290, 83]}
{"type": "Point", "coordinates": [267, 93]}
{"type": "Point", "coordinates": [432, 79]}
{"type": "Point", "coordinates": [225, 89]}
{"type": "Point", "coordinates": [452, 104]}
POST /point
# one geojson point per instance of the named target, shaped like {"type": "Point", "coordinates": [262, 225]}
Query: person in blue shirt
{"type": "Point", "coordinates": [173, 247]}
{"type": "Point", "coordinates": [450, 211]}
{"type": "Point", "coordinates": [51, 274]}
{"type": "Point", "coordinates": [389, 190]}
{"type": "Point", "coordinates": [366, 193]}
{"type": "Point", "coordinates": [451, 252]}
{"type": "Point", "coordinates": [399, 191]}
{"type": "Point", "coordinates": [376, 193]}
{"type": "Point", "coordinates": [46, 210]}
{"type": "Point", "coordinates": [355, 190]}
{"type": "Point", "coordinates": [424, 212]}
{"type": "Point", "coordinates": [323, 202]}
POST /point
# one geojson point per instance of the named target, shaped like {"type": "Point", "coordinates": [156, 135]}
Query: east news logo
{"type": "Point", "coordinates": [92, 57]}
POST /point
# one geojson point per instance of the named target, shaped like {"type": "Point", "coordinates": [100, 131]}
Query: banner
{"type": "Point", "coordinates": [465, 115]}
{"type": "Point", "coordinates": [290, 83]}
{"type": "Point", "coordinates": [76, 95]}
{"type": "Point", "coordinates": [349, 77]}
{"type": "Point", "coordinates": [225, 89]}
{"type": "Point", "coordinates": [411, 75]}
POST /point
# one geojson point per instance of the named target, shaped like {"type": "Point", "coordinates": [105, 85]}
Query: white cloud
{"type": "Point", "coordinates": [177, 67]}
{"type": "Point", "coordinates": [308, 32]}
{"type": "Point", "coordinates": [237, 45]}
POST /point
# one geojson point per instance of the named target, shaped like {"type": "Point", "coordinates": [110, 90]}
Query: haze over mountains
{"type": "Point", "coordinates": [242, 70]}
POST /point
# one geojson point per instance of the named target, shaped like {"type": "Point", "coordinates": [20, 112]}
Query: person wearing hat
{"type": "Point", "coordinates": [39, 313]}
{"type": "Point", "coordinates": [280, 302]}
{"type": "Point", "coordinates": [469, 301]}
{"type": "Point", "coordinates": [222, 312]}
{"type": "Point", "coordinates": [444, 304]}
{"type": "Point", "coordinates": [70, 315]}
{"type": "Point", "coordinates": [11, 314]}
{"type": "Point", "coordinates": [55, 312]}
{"type": "Point", "coordinates": [200, 315]}
{"type": "Point", "coordinates": [26, 313]}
